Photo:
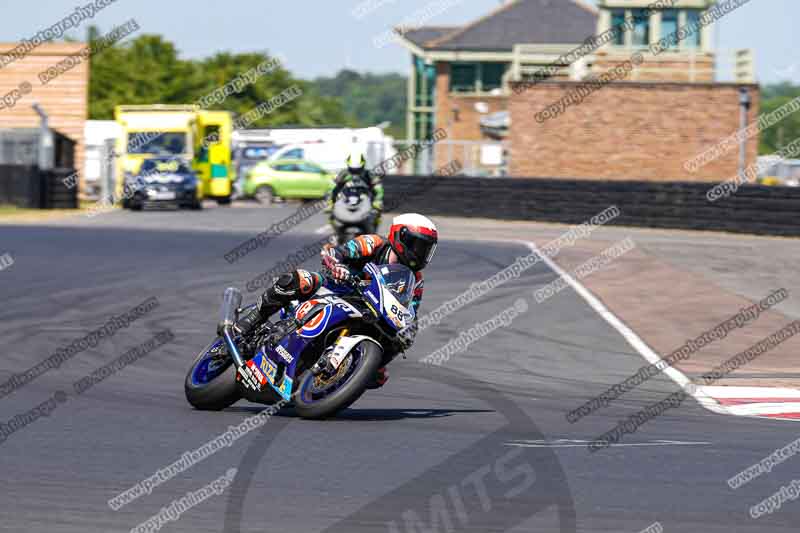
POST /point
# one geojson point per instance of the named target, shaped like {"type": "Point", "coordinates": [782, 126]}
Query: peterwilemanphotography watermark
{"type": "Point", "coordinates": [6, 261]}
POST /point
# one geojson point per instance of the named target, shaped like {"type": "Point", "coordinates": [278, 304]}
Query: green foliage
{"type": "Point", "coordinates": [369, 98]}
{"type": "Point", "coordinates": [788, 129]}
{"type": "Point", "coordinates": [149, 70]}
{"type": "Point", "coordinates": [779, 89]}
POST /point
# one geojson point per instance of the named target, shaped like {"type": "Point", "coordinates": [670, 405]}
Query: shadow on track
{"type": "Point", "coordinates": [368, 415]}
{"type": "Point", "coordinates": [501, 497]}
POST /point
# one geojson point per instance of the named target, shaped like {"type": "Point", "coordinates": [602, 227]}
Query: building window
{"type": "Point", "coordinates": [296, 153]}
{"type": "Point", "coordinates": [669, 24]}
{"type": "Point", "coordinates": [423, 126]}
{"type": "Point", "coordinates": [492, 76]}
{"type": "Point", "coordinates": [693, 24]}
{"type": "Point", "coordinates": [463, 77]}
{"type": "Point", "coordinates": [422, 162]}
{"type": "Point", "coordinates": [425, 83]}
{"type": "Point", "coordinates": [617, 20]}
{"type": "Point", "coordinates": [641, 27]}
{"type": "Point", "coordinates": [476, 77]}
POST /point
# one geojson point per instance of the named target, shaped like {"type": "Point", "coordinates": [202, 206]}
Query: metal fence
{"type": "Point", "coordinates": [779, 171]}
{"type": "Point", "coordinates": [478, 158]}
{"type": "Point", "coordinates": [35, 146]}
{"type": "Point", "coordinates": [19, 147]}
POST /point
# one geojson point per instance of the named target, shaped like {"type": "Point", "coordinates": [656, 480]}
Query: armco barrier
{"type": "Point", "coordinates": [57, 194]}
{"type": "Point", "coordinates": [680, 205]}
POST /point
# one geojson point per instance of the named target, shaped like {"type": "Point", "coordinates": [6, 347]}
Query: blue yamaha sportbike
{"type": "Point", "coordinates": [320, 356]}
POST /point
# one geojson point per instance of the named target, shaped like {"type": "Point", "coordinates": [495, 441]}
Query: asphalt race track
{"type": "Point", "coordinates": [479, 443]}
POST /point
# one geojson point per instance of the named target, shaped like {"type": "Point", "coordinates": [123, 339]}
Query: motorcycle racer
{"type": "Point", "coordinates": [412, 242]}
{"type": "Point", "coordinates": [357, 169]}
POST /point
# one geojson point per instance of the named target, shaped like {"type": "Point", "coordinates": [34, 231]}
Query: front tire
{"type": "Point", "coordinates": [211, 392]}
{"type": "Point", "coordinates": [348, 234]}
{"type": "Point", "coordinates": [313, 402]}
{"type": "Point", "coordinates": [264, 195]}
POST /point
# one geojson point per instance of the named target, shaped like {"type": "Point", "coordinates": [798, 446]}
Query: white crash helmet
{"type": "Point", "coordinates": [413, 238]}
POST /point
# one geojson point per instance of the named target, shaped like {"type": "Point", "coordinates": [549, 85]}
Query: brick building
{"type": "Point", "coordinates": [624, 131]}
{"type": "Point", "coordinates": [461, 76]}
{"type": "Point", "coordinates": [64, 98]}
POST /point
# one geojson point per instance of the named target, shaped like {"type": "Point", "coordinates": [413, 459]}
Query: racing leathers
{"type": "Point", "coordinates": [339, 260]}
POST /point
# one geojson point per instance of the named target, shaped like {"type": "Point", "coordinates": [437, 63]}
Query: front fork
{"type": "Point", "coordinates": [329, 360]}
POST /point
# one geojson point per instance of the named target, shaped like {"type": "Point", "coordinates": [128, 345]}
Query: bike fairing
{"type": "Point", "coordinates": [390, 287]}
{"type": "Point", "coordinates": [375, 249]}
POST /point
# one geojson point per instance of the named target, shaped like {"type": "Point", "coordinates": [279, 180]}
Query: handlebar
{"type": "Point", "coordinates": [356, 283]}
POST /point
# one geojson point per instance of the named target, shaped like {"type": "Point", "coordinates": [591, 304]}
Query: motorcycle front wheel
{"type": "Point", "coordinates": [323, 396]}
{"type": "Point", "coordinates": [210, 384]}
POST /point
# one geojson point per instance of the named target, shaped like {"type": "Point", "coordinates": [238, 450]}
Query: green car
{"type": "Point", "coordinates": [287, 178]}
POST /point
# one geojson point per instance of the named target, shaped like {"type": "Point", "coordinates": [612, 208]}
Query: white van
{"type": "Point", "coordinates": [332, 155]}
{"type": "Point", "coordinates": [329, 156]}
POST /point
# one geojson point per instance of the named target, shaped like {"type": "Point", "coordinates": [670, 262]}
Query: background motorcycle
{"type": "Point", "coordinates": [352, 212]}
{"type": "Point", "coordinates": [321, 356]}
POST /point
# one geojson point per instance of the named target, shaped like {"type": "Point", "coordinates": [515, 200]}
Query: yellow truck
{"type": "Point", "coordinates": [187, 132]}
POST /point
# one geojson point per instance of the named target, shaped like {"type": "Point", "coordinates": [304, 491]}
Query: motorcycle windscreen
{"type": "Point", "coordinates": [352, 206]}
{"type": "Point", "coordinates": [399, 280]}
{"type": "Point", "coordinates": [231, 301]}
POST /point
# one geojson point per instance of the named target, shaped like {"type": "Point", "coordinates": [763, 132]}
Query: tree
{"type": "Point", "coordinates": [149, 70]}
{"type": "Point", "coordinates": [788, 129]}
{"type": "Point", "coordinates": [369, 98]}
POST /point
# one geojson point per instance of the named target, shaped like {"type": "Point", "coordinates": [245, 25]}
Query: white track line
{"type": "Point", "coordinates": [629, 335]}
{"type": "Point", "coordinates": [611, 445]}
{"type": "Point", "coordinates": [703, 394]}
{"type": "Point", "coordinates": [752, 392]}
{"type": "Point", "coordinates": [758, 409]}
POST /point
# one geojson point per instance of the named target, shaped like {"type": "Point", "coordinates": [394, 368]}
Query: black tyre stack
{"type": "Point", "coordinates": [56, 194]}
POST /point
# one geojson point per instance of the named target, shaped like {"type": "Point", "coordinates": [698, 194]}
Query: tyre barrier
{"type": "Point", "coordinates": [753, 209]}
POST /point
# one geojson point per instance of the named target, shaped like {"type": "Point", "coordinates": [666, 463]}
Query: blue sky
{"type": "Point", "coordinates": [319, 37]}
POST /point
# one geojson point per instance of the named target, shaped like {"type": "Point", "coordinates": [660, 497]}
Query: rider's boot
{"type": "Point", "coordinates": [248, 321]}
{"type": "Point", "coordinates": [288, 287]}
{"type": "Point", "coordinates": [269, 304]}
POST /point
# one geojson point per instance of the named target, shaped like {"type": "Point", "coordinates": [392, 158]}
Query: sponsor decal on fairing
{"type": "Point", "coordinates": [317, 324]}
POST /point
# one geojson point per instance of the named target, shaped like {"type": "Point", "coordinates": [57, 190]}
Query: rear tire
{"type": "Point", "coordinates": [224, 200]}
{"type": "Point", "coordinates": [347, 394]}
{"type": "Point", "coordinates": [219, 393]}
